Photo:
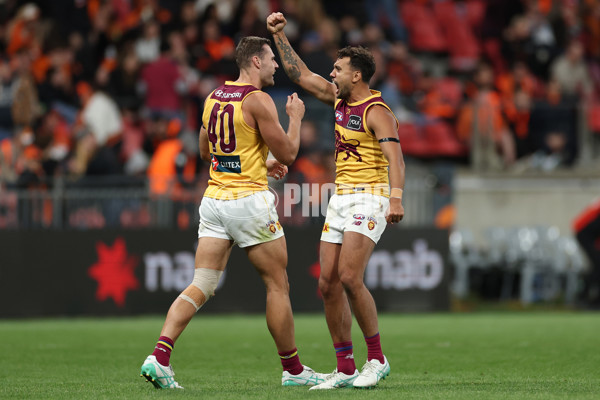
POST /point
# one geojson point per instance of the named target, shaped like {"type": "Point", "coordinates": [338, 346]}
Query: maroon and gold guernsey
{"type": "Point", "coordinates": [238, 152]}
{"type": "Point", "coordinates": [361, 166]}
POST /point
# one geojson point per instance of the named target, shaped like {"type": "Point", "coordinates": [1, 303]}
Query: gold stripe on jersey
{"type": "Point", "coordinates": [238, 152]}
{"type": "Point", "coordinates": [361, 166]}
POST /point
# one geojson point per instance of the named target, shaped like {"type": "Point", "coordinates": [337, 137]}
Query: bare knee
{"type": "Point", "coordinates": [351, 282]}
{"type": "Point", "coordinates": [278, 283]}
{"type": "Point", "coordinates": [329, 288]}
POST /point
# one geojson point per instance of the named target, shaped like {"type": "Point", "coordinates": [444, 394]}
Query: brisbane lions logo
{"type": "Point", "coordinates": [349, 146]}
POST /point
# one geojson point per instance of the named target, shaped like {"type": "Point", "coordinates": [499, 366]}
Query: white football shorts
{"type": "Point", "coordinates": [247, 221]}
{"type": "Point", "coordinates": [363, 213]}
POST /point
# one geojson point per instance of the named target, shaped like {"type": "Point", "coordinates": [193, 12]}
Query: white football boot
{"type": "Point", "coordinates": [307, 377]}
{"type": "Point", "coordinates": [372, 372]}
{"type": "Point", "coordinates": [160, 376]}
{"type": "Point", "coordinates": [337, 380]}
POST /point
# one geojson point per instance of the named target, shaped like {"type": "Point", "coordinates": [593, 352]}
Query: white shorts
{"type": "Point", "coordinates": [363, 213]}
{"type": "Point", "coordinates": [247, 221]}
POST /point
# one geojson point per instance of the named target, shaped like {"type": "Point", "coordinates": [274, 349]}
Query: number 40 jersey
{"type": "Point", "coordinates": [238, 152]}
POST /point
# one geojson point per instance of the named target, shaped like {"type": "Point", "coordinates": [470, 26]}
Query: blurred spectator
{"type": "Point", "coordinates": [518, 115]}
{"type": "Point", "coordinates": [439, 98]}
{"type": "Point", "coordinates": [404, 69]}
{"type": "Point", "coordinates": [216, 44]}
{"type": "Point", "coordinates": [249, 20]}
{"type": "Point", "coordinates": [55, 138]}
{"type": "Point", "coordinates": [315, 46]}
{"type": "Point", "coordinates": [147, 10]}
{"type": "Point", "coordinates": [162, 84]}
{"type": "Point", "coordinates": [173, 164]}
{"type": "Point", "coordinates": [518, 78]}
{"type": "Point", "coordinates": [481, 124]}
{"type": "Point", "coordinates": [147, 48]}
{"type": "Point", "coordinates": [21, 32]}
{"type": "Point", "coordinates": [458, 24]}
{"type": "Point", "coordinates": [351, 34]}
{"type": "Point", "coordinates": [100, 115]}
{"type": "Point", "coordinates": [98, 132]}
{"type": "Point", "coordinates": [8, 86]}
{"type": "Point", "coordinates": [57, 88]}
{"type": "Point", "coordinates": [79, 15]}
{"type": "Point", "coordinates": [553, 128]}
{"type": "Point", "coordinates": [219, 51]}
{"type": "Point", "coordinates": [20, 160]}
{"type": "Point", "coordinates": [590, 12]}
{"type": "Point", "coordinates": [25, 107]}
{"type": "Point", "coordinates": [384, 83]}
{"type": "Point", "coordinates": [497, 17]}
{"type": "Point", "coordinates": [571, 72]}
{"type": "Point", "coordinates": [385, 13]}
{"type": "Point", "coordinates": [310, 14]}
{"type": "Point", "coordinates": [124, 82]}
{"type": "Point", "coordinates": [188, 13]}
{"type": "Point", "coordinates": [221, 11]}
{"type": "Point", "coordinates": [530, 38]}
{"type": "Point", "coordinates": [517, 89]}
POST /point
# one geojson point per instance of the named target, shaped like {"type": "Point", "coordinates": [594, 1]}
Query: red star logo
{"type": "Point", "coordinates": [114, 272]}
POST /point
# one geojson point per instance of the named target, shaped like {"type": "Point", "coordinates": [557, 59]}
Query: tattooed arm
{"type": "Point", "coordinates": [294, 67]}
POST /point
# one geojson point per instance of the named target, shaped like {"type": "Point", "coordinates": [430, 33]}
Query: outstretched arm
{"type": "Point", "coordinates": [383, 124]}
{"type": "Point", "coordinates": [294, 67]}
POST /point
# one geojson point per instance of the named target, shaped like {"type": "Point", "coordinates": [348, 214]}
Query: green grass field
{"type": "Point", "coordinates": [443, 356]}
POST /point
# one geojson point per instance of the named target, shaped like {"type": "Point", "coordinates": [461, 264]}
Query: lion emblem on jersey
{"type": "Point", "coordinates": [348, 146]}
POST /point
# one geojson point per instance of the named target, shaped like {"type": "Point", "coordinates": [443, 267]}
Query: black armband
{"type": "Point", "coordinates": [389, 139]}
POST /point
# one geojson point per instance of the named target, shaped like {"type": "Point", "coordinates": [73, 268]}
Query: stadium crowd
{"type": "Point", "coordinates": [116, 87]}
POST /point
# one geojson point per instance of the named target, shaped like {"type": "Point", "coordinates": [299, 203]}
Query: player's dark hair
{"type": "Point", "coordinates": [360, 59]}
{"type": "Point", "coordinates": [249, 47]}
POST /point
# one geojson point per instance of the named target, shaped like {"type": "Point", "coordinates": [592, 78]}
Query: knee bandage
{"type": "Point", "coordinates": [202, 288]}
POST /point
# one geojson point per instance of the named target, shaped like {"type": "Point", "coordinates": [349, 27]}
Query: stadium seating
{"type": "Point", "coordinates": [442, 142]}
{"type": "Point", "coordinates": [462, 44]}
{"type": "Point", "coordinates": [545, 264]}
{"type": "Point", "coordinates": [424, 32]}
{"type": "Point", "coordinates": [412, 142]}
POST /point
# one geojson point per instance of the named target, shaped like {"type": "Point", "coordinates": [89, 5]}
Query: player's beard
{"type": "Point", "coordinates": [343, 92]}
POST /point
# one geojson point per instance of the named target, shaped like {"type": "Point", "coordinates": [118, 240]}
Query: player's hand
{"type": "Point", "coordinates": [395, 212]}
{"type": "Point", "coordinates": [276, 170]}
{"type": "Point", "coordinates": [294, 107]}
{"type": "Point", "coordinates": [275, 22]}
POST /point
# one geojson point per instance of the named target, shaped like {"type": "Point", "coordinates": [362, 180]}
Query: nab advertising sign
{"type": "Point", "coordinates": [129, 272]}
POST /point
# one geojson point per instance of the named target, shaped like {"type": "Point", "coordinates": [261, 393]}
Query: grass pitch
{"type": "Point", "coordinates": [443, 356]}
